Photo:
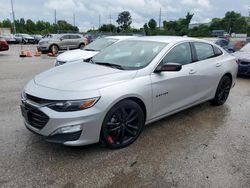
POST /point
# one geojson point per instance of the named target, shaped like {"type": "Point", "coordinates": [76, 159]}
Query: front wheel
{"type": "Point", "coordinates": [122, 124]}
{"type": "Point", "coordinates": [222, 91]}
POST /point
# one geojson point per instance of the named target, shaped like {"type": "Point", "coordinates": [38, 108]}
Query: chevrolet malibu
{"type": "Point", "coordinates": [126, 86]}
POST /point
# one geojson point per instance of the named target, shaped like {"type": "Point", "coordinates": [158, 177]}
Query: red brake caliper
{"type": "Point", "coordinates": [110, 140]}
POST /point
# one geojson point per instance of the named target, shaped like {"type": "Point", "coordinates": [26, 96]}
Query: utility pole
{"type": "Point", "coordinates": [99, 20]}
{"type": "Point", "coordinates": [249, 14]}
{"type": "Point", "coordinates": [74, 19]}
{"type": "Point", "coordinates": [110, 19]}
{"type": "Point", "coordinates": [13, 15]}
{"type": "Point", "coordinates": [160, 19]}
{"type": "Point", "coordinates": [55, 16]}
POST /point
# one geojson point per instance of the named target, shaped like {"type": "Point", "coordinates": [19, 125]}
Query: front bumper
{"type": "Point", "coordinates": [90, 121]}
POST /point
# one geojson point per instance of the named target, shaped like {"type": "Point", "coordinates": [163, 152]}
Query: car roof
{"type": "Point", "coordinates": [168, 39]}
{"type": "Point", "coordinates": [121, 37]}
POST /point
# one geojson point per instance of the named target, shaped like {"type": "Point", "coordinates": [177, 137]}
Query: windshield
{"type": "Point", "coordinates": [100, 44]}
{"type": "Point", "coordinates": [130, 55]}
{"type": "Point", "coordinates": [245, 48]}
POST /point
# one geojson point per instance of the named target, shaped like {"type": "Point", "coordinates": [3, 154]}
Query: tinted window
{"type": "Point", "coordinates": [203, 50]}
{"type": "Point", "coordinates": [217, 51]}
{"type": "Point", "coordinates": [65, 37]}
{"type": "Point", "coordinates": [75, 36]}
{"type": "Point", "coordinates": [180, 54]}
{"type": "Point", "coordinates": [100, 44]}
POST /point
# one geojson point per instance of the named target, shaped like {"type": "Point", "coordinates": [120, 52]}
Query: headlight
{"type": "Point", "coordinates": [70, 106]}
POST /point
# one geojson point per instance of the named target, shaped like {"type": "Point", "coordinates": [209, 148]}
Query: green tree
{"type": "Point", "coordinates": [30, 26]}
{"type": "Point", "coordinates": [107, 28]}
{"type": "Point", "coordinates": [152, 24]}
{"type": "Point", "coordinates": [6, 23]}
{"type": "Point", "coordinates": [124, 20]}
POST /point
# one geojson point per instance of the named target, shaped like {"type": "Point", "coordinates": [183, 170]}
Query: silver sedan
{"type": "Point", "coordinates": [110, 98]}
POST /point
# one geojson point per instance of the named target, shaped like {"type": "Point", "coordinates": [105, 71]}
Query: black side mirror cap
{"type": "Point", "coordinates": [169, 67]}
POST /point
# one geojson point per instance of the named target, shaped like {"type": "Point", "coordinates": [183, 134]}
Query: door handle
{"type": "Point", "coordinates": [218, 64]}
{"type": "Point", "coordinates": [192, 71]}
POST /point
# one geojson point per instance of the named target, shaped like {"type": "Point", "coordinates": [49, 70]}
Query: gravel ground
{"type": "Point", "coordinates": [204, 146]}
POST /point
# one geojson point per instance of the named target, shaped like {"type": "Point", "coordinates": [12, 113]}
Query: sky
{"type": "Point", "coordinates": [87, 11]}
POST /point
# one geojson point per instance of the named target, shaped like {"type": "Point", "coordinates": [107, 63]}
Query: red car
{"type": "Point", "coordinates": [3, 45]}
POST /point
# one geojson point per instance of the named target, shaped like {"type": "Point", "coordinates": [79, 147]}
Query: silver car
{"type": "Point", "coordinates": [61, 42]}
{"type": "Point", "coordinates": [127, 85]}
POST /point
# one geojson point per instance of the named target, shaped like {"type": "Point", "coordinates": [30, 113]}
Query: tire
{"type": "Point", "coordinates": [56, 49]}
{"type": "Point", "coordinates": [23, 41]}
{"type": "Point", "coordinates": [222, 91]}
{"type": "Point", "coordinates": [81, 46]}
{"type": "Point", "coordinates": [122, 125]}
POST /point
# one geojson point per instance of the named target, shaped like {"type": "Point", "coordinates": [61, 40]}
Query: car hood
{"type": "Point", "coordinates": [242, 55]}
{"type": "Point", "coordinates": [74, 55]}
{"type": "Point", "coordinates": [82, 77]}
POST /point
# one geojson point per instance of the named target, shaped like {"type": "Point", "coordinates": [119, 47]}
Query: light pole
{"type": "Point", "coordinates": [13, 15]}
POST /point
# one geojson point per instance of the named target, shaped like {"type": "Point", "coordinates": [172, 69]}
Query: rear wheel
{"type": "Point", "coordinates": [81, 46]}
{"type": "Point", "coordinates": [54, 49]}
{"type": "Point", "coordinates": [122, 124]}
{"type": "Point", "coordinates": [222, 91]}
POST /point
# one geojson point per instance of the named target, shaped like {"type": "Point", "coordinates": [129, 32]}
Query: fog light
{"type": "Point", "coordinates": [68, 129]}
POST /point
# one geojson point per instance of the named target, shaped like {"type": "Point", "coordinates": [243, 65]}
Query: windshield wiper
{"type": "Point", "coordinates": [110, 65]}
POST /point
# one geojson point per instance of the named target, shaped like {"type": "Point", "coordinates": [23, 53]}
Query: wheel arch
{"type": "Point", "coordinates": [229, 75]}
{"type": "Point", "coordinates": [54, 45]}
{"type": "Point", "coordinates": [135, 99]}
{"type": "Point", "coordinates": [81, 44]}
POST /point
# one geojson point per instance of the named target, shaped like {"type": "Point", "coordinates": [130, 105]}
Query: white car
{"type": "Point", "coordinates": [89, 51]}
{"type": "Point", "coordinates": [127, 85]}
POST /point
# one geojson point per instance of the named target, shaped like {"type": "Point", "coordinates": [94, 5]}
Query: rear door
{"type": "Point", "coordinates": [65, 42]}
{"type": "Point", "coordinates": [207, 69]}
{"type": "Point", "coordinates": [74, 41]}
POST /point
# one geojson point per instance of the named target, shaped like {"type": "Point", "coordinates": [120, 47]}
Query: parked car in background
{"type": "Point", "coordinates": [88, 51]}
{"type": "Point", "coordinates": [243, 56]}
{"type": "Point", "coordinates": [24, 38]}
{"type": "Point", "coordinates": [127, 85]}
{"type": "Point", "coordinates": [9, 38]}
{"type": "Point", "coordinates": [3, 44]}
{"type": "Point", "coordinates": [62, 42]}
{"type": "Point", "coordinates": [224, 43]}
{"type": "Point", "coordinates": [37, 38]}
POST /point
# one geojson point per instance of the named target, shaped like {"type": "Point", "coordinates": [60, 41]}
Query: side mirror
{"type": "Point", "coordinates": [169, 67]}
{"type": "Point", "coordinates": [61, 39]}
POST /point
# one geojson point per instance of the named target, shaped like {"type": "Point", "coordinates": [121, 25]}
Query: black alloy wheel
{"type": "Point", "coordinates": [122, 124]}
{"type": "Point", "coordinates": [222, 91]}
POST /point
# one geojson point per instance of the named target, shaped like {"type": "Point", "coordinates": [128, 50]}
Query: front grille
{"type": "Point", "coordinates": [244, 63]}
{"type": "Point", "coordinates": [34, 116]}
{"type": "Point", "coordinates": [38, 100]}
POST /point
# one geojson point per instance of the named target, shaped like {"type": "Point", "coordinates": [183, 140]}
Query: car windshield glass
{"type": "Point", "coordinates": [100, 44]}
{"type": "Point", "coordinates": [246, 48]}
{"type": "Point", "coordinates": [130, 55]}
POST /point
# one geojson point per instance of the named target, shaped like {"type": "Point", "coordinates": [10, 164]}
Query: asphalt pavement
{"type": "Point", "coordinates": [205, 146]}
